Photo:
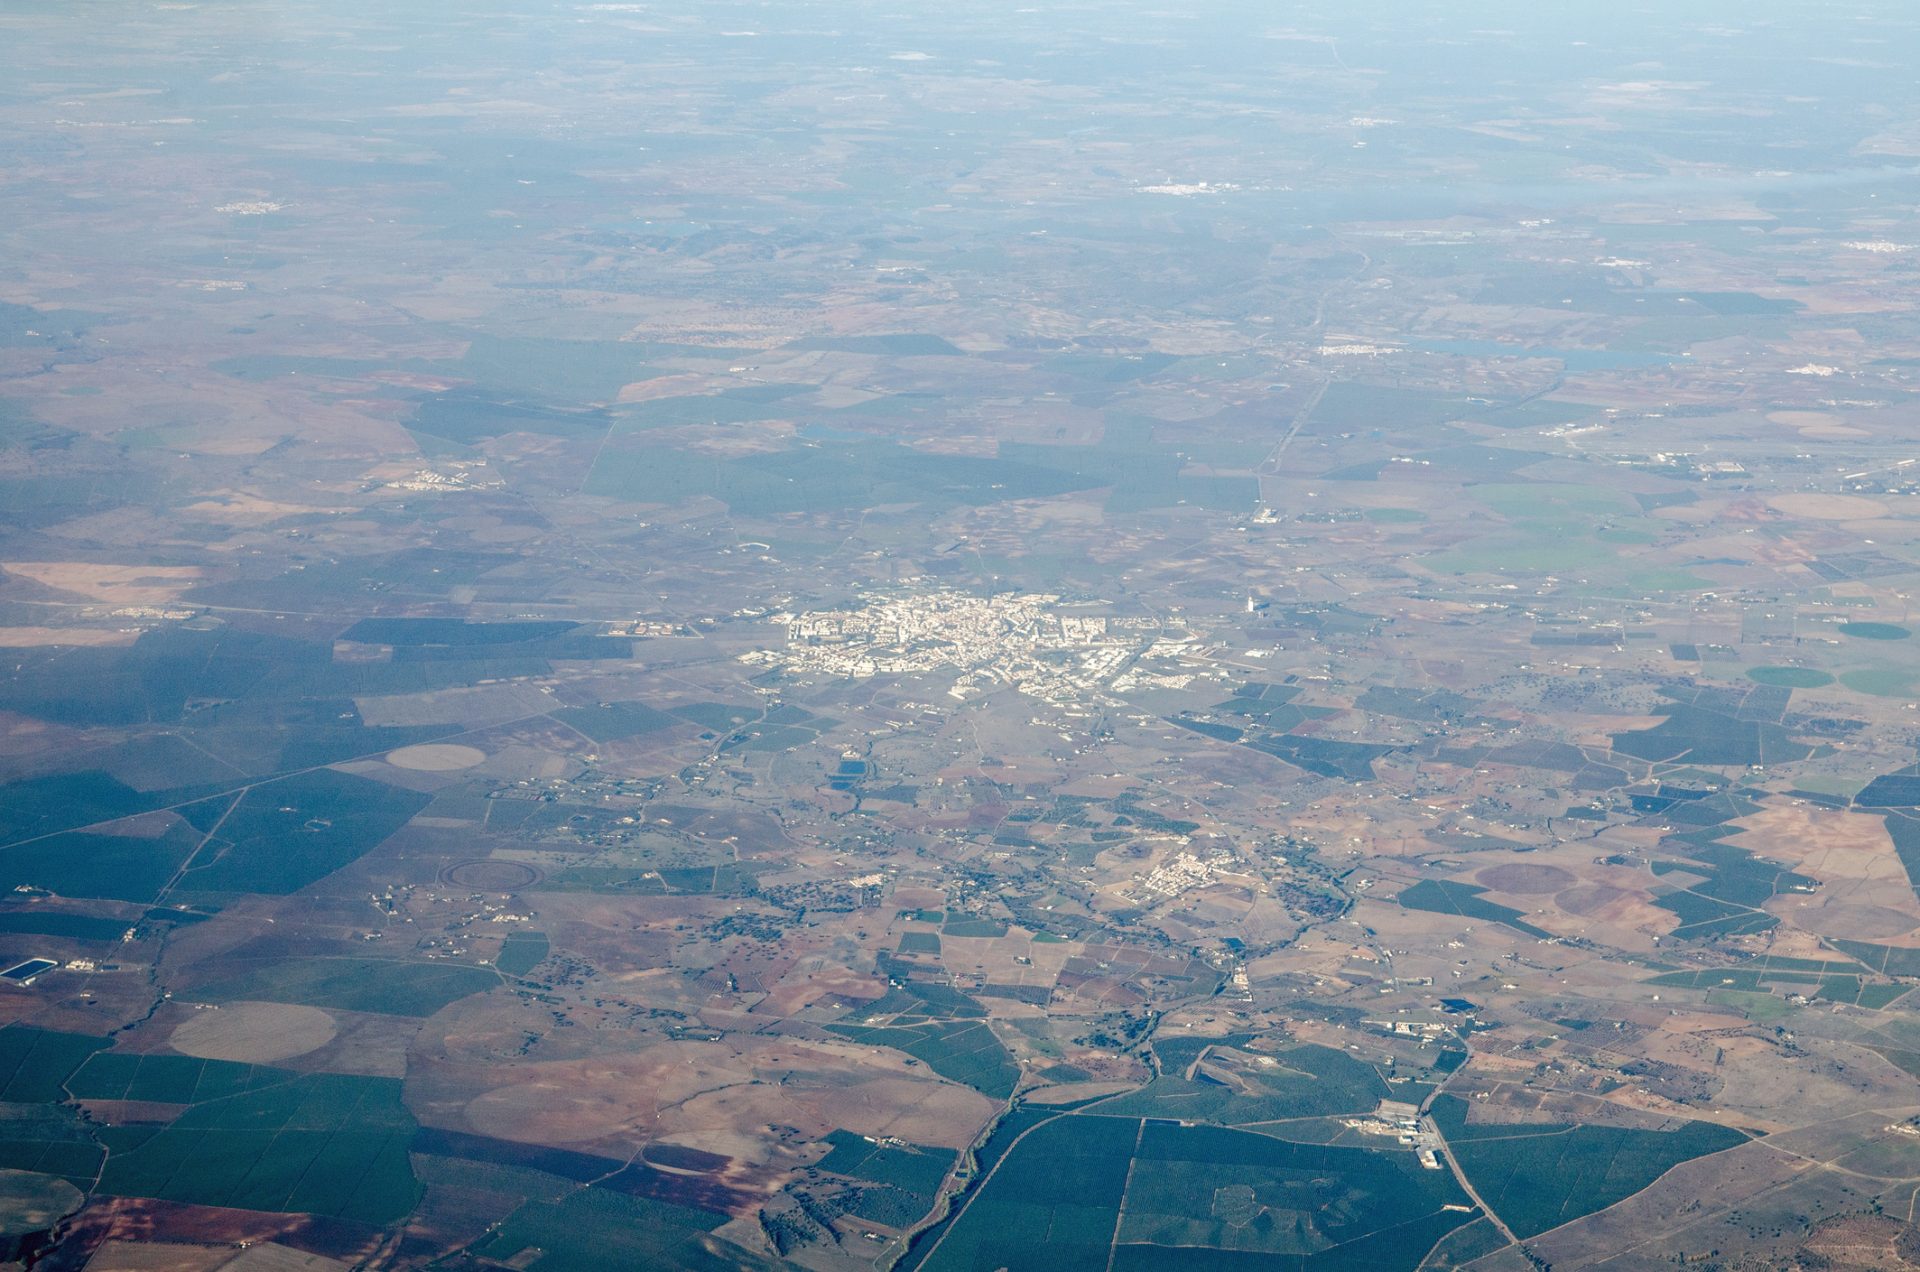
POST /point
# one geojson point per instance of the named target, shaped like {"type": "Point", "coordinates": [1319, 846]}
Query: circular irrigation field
{"type": "Point", "coordinates": [436, 757]}
{"type": "Point", "coordinates": [1875, 631]}
{"type": "Point", "coordinates": [485, 874]}
{"type": "Point", "coordinates": [253, 1033]}
{"type": "Point", "coordinates": [32, 1202]}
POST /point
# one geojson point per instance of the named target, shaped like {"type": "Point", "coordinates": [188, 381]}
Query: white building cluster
{"type": "Point", "coordinates": [1184, 872]}
{"type": "Point", "coordinates": [1014, 640]}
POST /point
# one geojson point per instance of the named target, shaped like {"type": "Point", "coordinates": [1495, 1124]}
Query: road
{"type": "Point", "coordinates": [1271, 465]}
{"type": "Point", "coordinates": [1453, 1164]}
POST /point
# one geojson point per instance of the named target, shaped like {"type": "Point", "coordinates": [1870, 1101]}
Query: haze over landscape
{"type": "Point", "coordinates": [1261, 637]}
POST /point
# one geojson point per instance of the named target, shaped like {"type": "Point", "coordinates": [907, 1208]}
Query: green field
{"type": "Point", "coordinates": [1890, 960]}
{"type": "Point", "coordinates": [596, 1230]}
{"type": "Point", "coordinates": [38, 921]}
{"type": "Point", "coordinates": [1728, 899]}
{"type": "Point", "coordinates": [1643, 579]}
{"type": "Point", "coordinates": [907, 1178]}
{"type": "Point", "coordinates": [919, 942]}
{"type": "Point", "coordinates": [1301, 1082]}
{"type": "Point", "coordinates": [519, 1182]}
{"type": "Point", "coordinates": [818, 478]}
{"type": "Point", "coordinates": [654, 881]}
{"type": "Point", "coordinates": [167, 1079]}
{"type": "Point", "coordinates": [1137, 471]}
{"type": "Point", "coordinates": [107, 867]}
{"type": "Point", "coordinates": [961, 1051]}
{"type": "Point", "coordinates": [1087, 1191]}
{"type": "Point", "coordinates": [1703, 918]}
{"type": "Point", "coordinates": [1538, 1177]}
{"type": "Point", "coordinates": [730, 407]}
{"type": "Point", "coordinates": [287, 834]}
{"type": "Point", "coordinates": [1467, 1243]}
{"type": "Point", "coordinates": [959, 926]}
{"type": "Point", "coordinates": [1563, 507]}
{"type": "Point", "coordinates": [1696, 735]}
{"type": "Point", "coordinates": [325, 1144]}
{"type": "Point", "coordinates": [1052, 1202]}
{"type": "Point", "coordinates": [34, 1063]}
{"type": "Point", "coordinates": [717, 716]}
{"type": "Point", "coordinates": [593, 370]}
{"type": "Point", "coordinates": [458, 632]}
{"type": "Point", "coordinates": [52, 1140]}
{"type": "Point", "coordinates": [1880, 682]}
{"type": "Point", "coordinates": [1355, 406]}
{"type": "Point", "coordinates": [38, 1132]}
{"type": "Point", "coordinates": [521, 952]}
{"type": "Point", "coordinates": [1789, 677]}
{"type": "Point", "coordinates": [355, 984]}
{"type": "Point", "coordinates": [1274, 1197]}
{"type": "Point", "coordinates": [1840, 787]}
{"type": "Point", "coordinates": [31, 1203]}
{"type": "Point", "coordinates": [1757, 1007]}
{"type": "Point", "coordinates": [1746, 987]}
{"type": "Point", "coordinates": [1443, 896]}
{"type": "Point", "coordinates": [1522, 556]}
{"type": "Point", "coordinates": [616, 721]}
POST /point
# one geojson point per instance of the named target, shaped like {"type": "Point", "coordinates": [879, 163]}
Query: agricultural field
{"type": "Point", "coordinates": [964, 1052]}
{"type": "Point", "coordinates": [593, 1229]}
{"type": "Point", "coordinates": [1239, 1088]}
{"type": "Point", "coordinates": [866, 638]}
{"type": "Point", "coordinates": [1080, 1190]}
{"type": "Point", "coordinates": [321, 1144]}
{"type": "Point", "coordinates": [1538, 1177]}
{"type": "Point", "coordinates": [350, 984]}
